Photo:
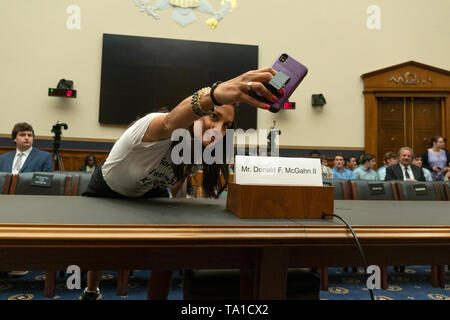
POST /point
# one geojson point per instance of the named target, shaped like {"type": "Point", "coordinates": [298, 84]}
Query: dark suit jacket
{"type": "Point", "coordinates": [37, 160]}
{"type": "Point", "coordinates": [395, 173]}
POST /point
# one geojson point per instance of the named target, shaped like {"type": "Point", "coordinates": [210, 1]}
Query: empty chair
{"type": "Point", "coordinates": [374, 190]}
{"type": "Point", "coordinates": [302, 284]}
{"type": "Point", "coordinates": [342, 189]}
{"type": "Point", "coordinates": [416, 190]}
{"type": "Point", "coordinates": [442, 188]}
{"type": "Point", "coordinates": [41, 183]}
{"type": "Point", "coordinates": [5, 182]}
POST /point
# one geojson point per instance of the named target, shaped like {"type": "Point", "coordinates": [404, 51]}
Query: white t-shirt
{"type": "Point", "coordinates": [134, 167]}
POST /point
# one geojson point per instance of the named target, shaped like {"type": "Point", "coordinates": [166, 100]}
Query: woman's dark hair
{"type": "Point", "coordinates": [436, 138]}
{"type": "Point", "coordinates": [90, 156]}
{"type": "Point", "coordinates": [19, 127]}
{"type": "Point", "coordinates": [212, 184]}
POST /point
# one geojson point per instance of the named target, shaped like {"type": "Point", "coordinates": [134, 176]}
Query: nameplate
{"type": "Point", "coordinates": [278, 171]}
{"type": "Point", "coordinates": [376, 188]}
{"type": "Point", "coordinates": [41, 180]}
{"type": "Point", "coordinates": [420, 189]}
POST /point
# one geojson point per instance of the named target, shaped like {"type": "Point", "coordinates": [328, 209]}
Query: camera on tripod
{"type": "Point", "coordinates": [57, 130]}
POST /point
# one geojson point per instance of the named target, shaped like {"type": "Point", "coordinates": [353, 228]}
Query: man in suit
{"type": "Point", "coordinates": [404, 170]}
{"type": "Point", "coordinates": [25, 158]}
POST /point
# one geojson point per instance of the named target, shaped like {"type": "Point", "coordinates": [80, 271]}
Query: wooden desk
{"type": "Point", "coordinates": [53, 232]}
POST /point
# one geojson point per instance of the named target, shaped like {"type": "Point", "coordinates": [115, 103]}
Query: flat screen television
{"type": "Point", "coordinates": [140, 75]}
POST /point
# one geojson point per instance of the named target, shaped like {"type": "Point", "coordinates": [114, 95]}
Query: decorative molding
{"type": "Point", "coordinates": [410, 78]}
{"type": "Point", "coordinates": [183, 12]}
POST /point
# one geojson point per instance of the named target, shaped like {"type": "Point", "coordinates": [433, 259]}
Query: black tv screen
{"type": "Point", "coordinates": [140, 75]}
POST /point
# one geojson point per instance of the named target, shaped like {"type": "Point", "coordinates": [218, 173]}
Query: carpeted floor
{"type": "Point", "coordinates": [414, 284]}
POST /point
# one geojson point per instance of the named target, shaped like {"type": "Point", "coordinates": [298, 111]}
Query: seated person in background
{"type": "Point", "coordinates": [339, 172]}
{"type": "Point", "coordinates": [359, 160]}
{"type": "Point", "coordinates": [404, 170]}
{"type": "Point", "coordinates": [25, 158]}
{"type": "Point", "coordinates": [351, 163]}
{"type": "Point", "coordinates": [417, 161]}
{"type": "Point", "coordinates": [390, 159]}
{"type": "Point", "coordinates": [141, 163]}
{"type": "Point", "coordinates": [89, 163]}
{"type": "Point", "coordinates": [365, 170]}
{"type": "Point", "coordinates": [326, 172]}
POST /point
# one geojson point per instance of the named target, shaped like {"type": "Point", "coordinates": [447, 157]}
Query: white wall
{"type": "Point", "coordinates": [330, 37]}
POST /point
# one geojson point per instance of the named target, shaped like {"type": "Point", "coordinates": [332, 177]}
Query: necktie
{"type": "Point", "coordinates": [407, 176]}
{"type": "Point", "coordinates": [18, 163]}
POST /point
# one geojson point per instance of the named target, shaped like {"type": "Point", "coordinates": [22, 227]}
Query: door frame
{"type": "Point", "coordinates": [409, 79]}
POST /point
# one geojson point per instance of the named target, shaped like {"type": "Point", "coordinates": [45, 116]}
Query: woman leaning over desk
{"type": "Point", "coordinates": [140, 165]}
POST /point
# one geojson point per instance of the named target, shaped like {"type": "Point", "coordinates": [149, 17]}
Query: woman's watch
{"type": "Point", "coordinates": [211, 93]}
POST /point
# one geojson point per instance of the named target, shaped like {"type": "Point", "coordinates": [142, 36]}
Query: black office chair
{"type": "Point", "coordinates": [5, 182]}
{"type": "Point", "coordinates": [374, 190]}
{"type": "Point", "coordinates": [302, 284]}
{"type": "Point", "coordinates": [41, 183]}
{"type": "Point", "coordinates": [417, 190]}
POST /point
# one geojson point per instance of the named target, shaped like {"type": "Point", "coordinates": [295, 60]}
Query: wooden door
{"type": "Point", "coordinates": [426, 122]}
{"type": "Point", "coordinates": [407, 122]}
{"type": "Point", "coordinates": [391, 126]}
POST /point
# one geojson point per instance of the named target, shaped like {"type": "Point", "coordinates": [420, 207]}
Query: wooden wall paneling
{"type": "Point", "coordinates": [407, 80]}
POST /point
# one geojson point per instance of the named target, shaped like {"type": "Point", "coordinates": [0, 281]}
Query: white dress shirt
{"type": "Point", "coordinates": [24, 158]}
{"type": "Point", "coordinates": [411, 174]}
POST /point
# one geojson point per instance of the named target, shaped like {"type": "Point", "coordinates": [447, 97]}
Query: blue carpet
{"type": "Point", "coordinates": [414, 284]}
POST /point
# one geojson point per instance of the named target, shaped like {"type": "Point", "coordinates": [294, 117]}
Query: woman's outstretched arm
{"type": "Point", "coordinates": [227, 93]}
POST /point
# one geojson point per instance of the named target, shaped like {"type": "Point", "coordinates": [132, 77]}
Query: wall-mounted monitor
{"type": "Point", "coordinates": [140, 75]}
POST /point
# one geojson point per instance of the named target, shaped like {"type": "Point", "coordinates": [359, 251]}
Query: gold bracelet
{"type": "Point", "coordinates": [196, 106]}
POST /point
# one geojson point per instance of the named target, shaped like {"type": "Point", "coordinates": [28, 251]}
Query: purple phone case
{"type": "Point", "coordinates": [294, 70]}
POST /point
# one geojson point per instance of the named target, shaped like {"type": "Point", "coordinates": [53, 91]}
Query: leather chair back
{"type": "Point", "coordinates": [418, 190]}
{"type": "Point", "coordinates": [374, 190]}
{"type": "Point", "coordinates": [59, 184]}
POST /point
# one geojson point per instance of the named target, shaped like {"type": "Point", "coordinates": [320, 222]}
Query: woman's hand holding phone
{"type": "Point", "coordinates": [268, 88]}
{"type": "Point", "coordinates": [240, 89]}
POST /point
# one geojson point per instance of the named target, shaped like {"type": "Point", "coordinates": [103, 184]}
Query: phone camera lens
{"type": "Point", "coordinates": [283, 57]}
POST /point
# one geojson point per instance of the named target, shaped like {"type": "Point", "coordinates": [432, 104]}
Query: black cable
{"type": "Point", "coordinates": [363, 257]}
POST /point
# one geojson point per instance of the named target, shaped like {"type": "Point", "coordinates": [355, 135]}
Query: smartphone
{"type": "Point", "coordinates": [290, 73]}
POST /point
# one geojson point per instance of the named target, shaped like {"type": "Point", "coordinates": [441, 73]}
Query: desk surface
{"type": "Point", "coordinates": [52, 232]}
{"type": "Point", "coordinates": [65, 210]}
